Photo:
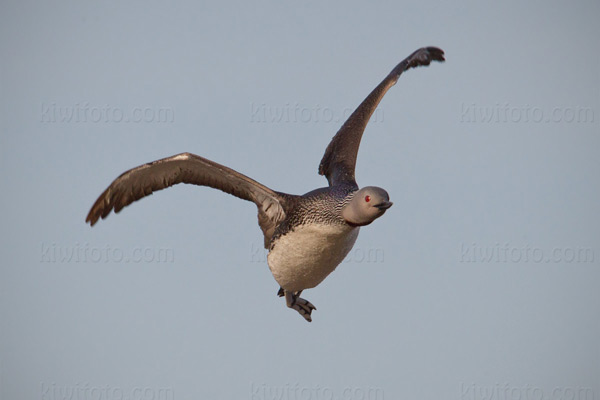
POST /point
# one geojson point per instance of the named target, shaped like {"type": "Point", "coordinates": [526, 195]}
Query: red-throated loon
{"type": "Point", "coordinates": [308, 235]}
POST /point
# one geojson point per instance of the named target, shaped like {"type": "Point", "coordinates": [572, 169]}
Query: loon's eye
{"type": "Point", "coordinates": [367, 198]}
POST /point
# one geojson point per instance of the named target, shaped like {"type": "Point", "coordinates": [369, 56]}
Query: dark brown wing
{"type": "Point", "coordinates": [139, 182]}
{"type": "Point", "coordinates": [339, 160]}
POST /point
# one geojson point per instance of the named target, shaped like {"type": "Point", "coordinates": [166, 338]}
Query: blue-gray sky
{"type": "Point", "coordinates": [481, 281]}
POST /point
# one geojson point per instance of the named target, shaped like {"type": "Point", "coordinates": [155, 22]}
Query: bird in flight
{"type": "Point", "coordinates": [307, 235]}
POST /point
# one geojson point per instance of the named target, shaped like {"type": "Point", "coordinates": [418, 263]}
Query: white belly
{"type": "Point", "coordinates": [304, 257]}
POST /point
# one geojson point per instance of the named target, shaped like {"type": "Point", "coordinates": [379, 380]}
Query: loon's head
{"type": "Point", "coordinates": [367, 204]}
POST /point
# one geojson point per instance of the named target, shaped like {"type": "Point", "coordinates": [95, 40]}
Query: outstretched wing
{"type": "Point", "coordinates": [339, 160]}
{"type": "Point", "coordinates": [141, 181]}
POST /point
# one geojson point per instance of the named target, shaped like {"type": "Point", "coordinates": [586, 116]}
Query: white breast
{"type": "Point", "coordinates": [302, 258]}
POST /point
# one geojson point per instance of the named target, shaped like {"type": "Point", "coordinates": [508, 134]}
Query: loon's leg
{"type": "Point", "coordinates": [293, 300]}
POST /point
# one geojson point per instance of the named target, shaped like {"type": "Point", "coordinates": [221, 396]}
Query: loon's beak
{"type": "Point", "coordinates": [385, 205]}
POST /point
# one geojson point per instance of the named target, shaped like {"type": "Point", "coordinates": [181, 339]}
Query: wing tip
{"type": "Point", "coordinates": [424, 56]}
{"type": "Point", "coordinates": [88, 219]}
{"type": "Point", "coordinates": [92, 217]}
{"type": "Point", "coordinates": [436, 53]}
{"type": "Point", "coordinates": [100, 209]}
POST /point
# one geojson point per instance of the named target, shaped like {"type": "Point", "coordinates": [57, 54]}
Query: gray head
{"type": "Point", "coordinates": [367, 204]}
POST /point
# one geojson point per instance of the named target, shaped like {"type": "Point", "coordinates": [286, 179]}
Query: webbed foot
{"type": "Point", "coordinates": [294, 301]}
